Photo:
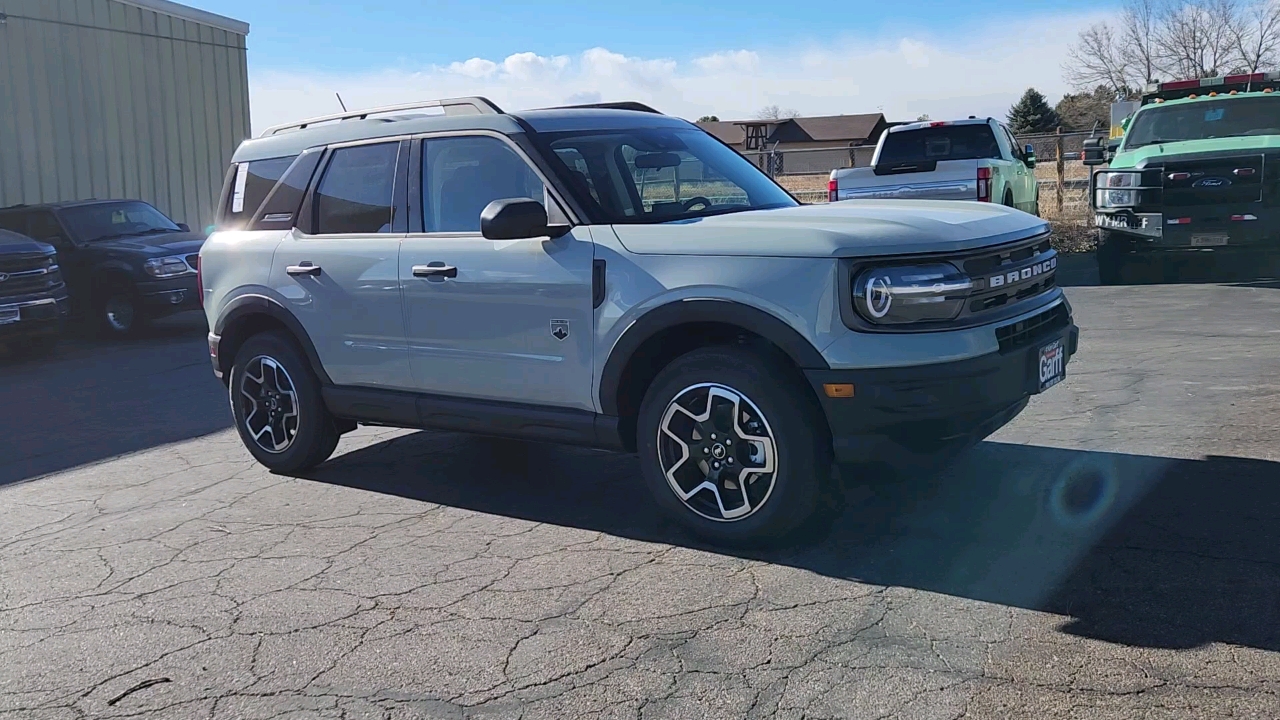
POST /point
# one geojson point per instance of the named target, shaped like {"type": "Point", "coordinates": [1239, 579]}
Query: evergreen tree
{"type": "Point", "coordinates": [708, 118]}
{"type": "Point", "coordinates": [1032, 114]}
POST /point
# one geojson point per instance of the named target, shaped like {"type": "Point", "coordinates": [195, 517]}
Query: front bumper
{"type": "Point", "coordinates": [171, 295]}
{"type": "Point", "coordinates": [914, 409]}
{"type": "Point", "coordinates": [36, 317]}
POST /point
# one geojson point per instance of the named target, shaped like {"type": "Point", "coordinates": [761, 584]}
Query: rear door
{"type": "Point", "coordinates": [337, 269]}
{"type": "Point", "coordinates": [506, 320]}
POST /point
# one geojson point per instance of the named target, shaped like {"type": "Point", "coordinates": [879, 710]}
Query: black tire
{"type": "Point", "coordinates": [1008, 198]}
{"type": "Point", "coordinates": [117, 312]}
{"type": "Point", "coordinates": [284, 410]}
{"type": "Point", "coordinates": [778, 407]}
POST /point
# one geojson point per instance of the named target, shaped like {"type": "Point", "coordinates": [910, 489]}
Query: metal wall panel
{"type": "Point", "coordinates": [106, 99]}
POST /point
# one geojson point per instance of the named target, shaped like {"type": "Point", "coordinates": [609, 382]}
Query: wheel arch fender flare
{"type": "Point", "coordinates": [681, 312]}
{"type": "Point", "coordinates": [236, 313]}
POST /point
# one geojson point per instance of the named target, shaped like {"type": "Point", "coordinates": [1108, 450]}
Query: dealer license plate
{"type": "Point", "coordinates": [9, 314]}
{"type": "Point", "coordinates": [1214, 240]}
{"type": "Point", "coordinates": [1052, 365]}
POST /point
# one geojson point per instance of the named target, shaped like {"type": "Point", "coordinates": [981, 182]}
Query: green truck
{"type": "Point", "coordinates": [1194, 179]}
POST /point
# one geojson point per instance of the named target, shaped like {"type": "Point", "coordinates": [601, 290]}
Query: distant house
{"type": "Point", "coordinates": [835, 132]}
{"type": "Point", "coordinates": [831, 131]}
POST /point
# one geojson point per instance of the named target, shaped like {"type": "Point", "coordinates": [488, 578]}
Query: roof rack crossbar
{"type": "Point", "coordinates": [451, 106]}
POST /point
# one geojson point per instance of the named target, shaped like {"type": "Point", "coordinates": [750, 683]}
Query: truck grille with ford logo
{"type": "Point", "coordinates": [25, 275]}
{"type": "Point", "coordinates": [1213, 181]}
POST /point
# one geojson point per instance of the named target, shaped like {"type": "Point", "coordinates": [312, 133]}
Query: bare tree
{"type": "Point", "coordinates": [1139, 23]}
{"type": "Point", "coordinates": [1255, 35]}
{"type": "Point", "coordinates": [773, 112]}
{"type": "Point", "coordinates": [1194, 39]}
{"type": "Point", "coordinates": [1175, 39]}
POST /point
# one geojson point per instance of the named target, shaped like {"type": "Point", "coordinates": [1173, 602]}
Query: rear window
{"type": "Point", "coordinates": [251, 184]}
{"type": "Point", "coordinates": [935, 144]}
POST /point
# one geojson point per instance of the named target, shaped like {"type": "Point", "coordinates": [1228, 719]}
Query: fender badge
{"type": "Point", "coordinates": [560, 329]}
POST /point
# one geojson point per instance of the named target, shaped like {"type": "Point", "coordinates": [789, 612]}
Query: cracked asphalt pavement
{"type": "Point", "coordinates": [1114, 552]}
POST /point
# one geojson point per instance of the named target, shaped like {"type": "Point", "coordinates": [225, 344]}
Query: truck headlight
{"type": "Point", "coordinates": [906, 294]}
{"type": "Point", "coordinates": [166, 266]}
{"type": "Point", "coordinates": [1118, 189]}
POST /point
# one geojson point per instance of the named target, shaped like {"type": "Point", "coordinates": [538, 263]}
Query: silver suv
{"type": "Point", "coordinates": [613, 277]}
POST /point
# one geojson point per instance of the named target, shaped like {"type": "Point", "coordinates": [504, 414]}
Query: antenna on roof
{"type": "Point", "coordinates": [344, 105]}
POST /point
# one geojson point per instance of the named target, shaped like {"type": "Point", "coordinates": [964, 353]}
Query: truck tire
{"type": "Point", "coordinates": [735, 449]}
{"type": "Point", "coordinates": [1113, 265]}
{"type": "Point", "coordinates": [117, 311]}
{"type": "Point", "coordinates": [1008, 198]}
{"type": "Point", "coordinates": [276, 403]}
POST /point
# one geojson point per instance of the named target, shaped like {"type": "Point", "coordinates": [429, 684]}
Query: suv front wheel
{"type": "Point", "coordinates": [733, 447]}
{"type": "Point", "coordinates": [276, 402]}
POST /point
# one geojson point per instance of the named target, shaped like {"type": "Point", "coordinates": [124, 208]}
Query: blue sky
{"type": "Point", "coordinates": [725, 58]}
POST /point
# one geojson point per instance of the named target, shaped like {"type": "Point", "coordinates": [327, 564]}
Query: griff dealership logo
{"type": "Point", "coordinates": [1026, 273]}
{"type": "Point", "coordinates": [1211, 182]}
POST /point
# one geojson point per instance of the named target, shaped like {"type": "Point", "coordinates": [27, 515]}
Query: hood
{"type": "Point", "coordinates": [157, 245]}
{"type": "Point", "coordinates": [1154, 154]}
{"type": "Point", "coordinates": [12, 243]}
{"type": "Point", "coordinates": [852, 228]}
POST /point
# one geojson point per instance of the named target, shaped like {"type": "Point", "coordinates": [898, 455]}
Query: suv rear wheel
{"type": "Point", "coordinates": [276, 402]}
{"type": "Point", "coordinates": [734, 449]}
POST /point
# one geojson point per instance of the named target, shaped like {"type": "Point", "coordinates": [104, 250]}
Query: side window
{"type": "Point", "coordinates": [355, 195]}
{"type": "Point", "coordinates": [43, 226]}
{"type": "Point", "coordinates": [666, 181]}
{"type": "Point", "coordinates": [14, 222]}
{"type": "Point", "coordinates": [461, 175]}
{"type": "Point", "coordinates": [281, 205]}
{"type": "Point", "coordinates": [1013, 144]}
{"type": "Point", "coordinates": [252, 183]}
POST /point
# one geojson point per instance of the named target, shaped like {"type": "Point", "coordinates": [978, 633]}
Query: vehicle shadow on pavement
{"type": "Point", "coordinates": [1136, 550]}
{"type": "Point", "coordinates": [96, 399]}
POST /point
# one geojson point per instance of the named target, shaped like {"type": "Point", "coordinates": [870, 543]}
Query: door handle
{"type": "Point", "coordinates": [435, 270]}
{"type": "Point", "coordinates": [305, 268]}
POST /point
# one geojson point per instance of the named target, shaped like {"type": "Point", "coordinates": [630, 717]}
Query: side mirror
{"type": "Point", "coordinates": [517, 219]}
{"type": "Point", "coordinates": [1030, 152]}
{"type": "Point", "coordinates": [1094, 153]}
{"type": "Point", "coordinates": [184, 227]}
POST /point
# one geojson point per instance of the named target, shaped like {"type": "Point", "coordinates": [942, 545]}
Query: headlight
{"type": "Point", "coordinates": [1127, 196]}
{"type": "Point", "coordinates": [911, 294]}
{"type": "Point", "coordinates": [166, 266]}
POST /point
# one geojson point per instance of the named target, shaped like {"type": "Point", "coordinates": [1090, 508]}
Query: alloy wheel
{"type": "Point", "coordinates": [269, 404]}
{"type": "Point", "coordinates": [717, 452]}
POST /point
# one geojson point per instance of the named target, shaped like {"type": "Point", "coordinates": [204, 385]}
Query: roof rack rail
{"type": "Point", "coordinates": [451, 106]}
{"type": "Point", "coordinates": [625, 105]}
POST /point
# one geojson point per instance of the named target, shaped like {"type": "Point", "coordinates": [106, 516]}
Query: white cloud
{"type": "Point", "coordinates": [900, 76]}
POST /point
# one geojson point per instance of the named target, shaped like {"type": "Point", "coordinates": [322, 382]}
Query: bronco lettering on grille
{"type": "Point", "coordinates": [1026, 273]}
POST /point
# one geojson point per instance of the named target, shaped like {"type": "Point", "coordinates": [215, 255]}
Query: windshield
{"type": "Point", "coordinates": [651, 175]}
{"type": "Point", "coordinates": [934, 144]}
{"type": "Point", "coordinates": [104, 221]}
{"type": "Point", "coordinates": [1234, 117]}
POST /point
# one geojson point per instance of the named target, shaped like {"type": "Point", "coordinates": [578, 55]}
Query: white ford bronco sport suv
{"type": "Point", "coordinates": [613, 277]}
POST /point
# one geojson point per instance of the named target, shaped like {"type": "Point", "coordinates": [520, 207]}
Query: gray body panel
{"type": "Point", "coordinates": [487, 333]}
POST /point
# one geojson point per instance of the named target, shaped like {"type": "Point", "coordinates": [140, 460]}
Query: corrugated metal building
{"type": "Point", "coordinates": [138, 99]}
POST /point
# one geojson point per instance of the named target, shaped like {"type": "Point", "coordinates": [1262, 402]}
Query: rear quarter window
{"type": "Point", "coordinates": [251, 182]}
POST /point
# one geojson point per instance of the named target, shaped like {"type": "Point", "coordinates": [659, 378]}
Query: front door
{"type": "Point", "coordinates": [506, 320]}
{"type": "Point", "coordinates": [341, 279]}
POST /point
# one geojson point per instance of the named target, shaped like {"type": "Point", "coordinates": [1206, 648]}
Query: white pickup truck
{"type": "Point", "coordinates": [973, 159]}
